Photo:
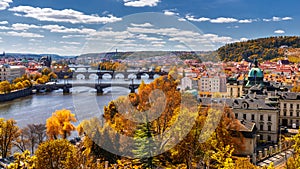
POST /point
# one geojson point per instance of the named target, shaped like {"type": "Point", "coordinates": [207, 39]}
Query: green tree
{"type": "Point", "coordinates": [144, 146]}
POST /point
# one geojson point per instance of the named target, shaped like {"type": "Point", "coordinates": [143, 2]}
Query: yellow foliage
{"type": "Point", "coordinates": [60, 123]}
{"type": "Point", "coordinates": [56, 154]}
{"type": "Point", "coordinates": [23, 161]}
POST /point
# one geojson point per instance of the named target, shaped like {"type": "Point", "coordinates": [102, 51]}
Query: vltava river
{"type": "Point", "coordinates": [83, 101]}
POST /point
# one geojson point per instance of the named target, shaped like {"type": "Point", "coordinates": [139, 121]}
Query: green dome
{"type": "Point", "coordinates": [255, 72]}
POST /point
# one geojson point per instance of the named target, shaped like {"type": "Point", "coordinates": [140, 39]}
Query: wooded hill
{"type": "Point", "coordinates": [263, 48]}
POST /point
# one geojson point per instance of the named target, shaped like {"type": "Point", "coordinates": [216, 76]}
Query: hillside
{"type": "Point", "coordinates": [263, 48]}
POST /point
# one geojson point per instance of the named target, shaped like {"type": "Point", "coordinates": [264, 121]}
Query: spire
{"type": "Point", "coordinates": [255, 63]}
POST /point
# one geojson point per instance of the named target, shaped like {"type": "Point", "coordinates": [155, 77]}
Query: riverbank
{"type": "Point", "coordinates": [15, 94]}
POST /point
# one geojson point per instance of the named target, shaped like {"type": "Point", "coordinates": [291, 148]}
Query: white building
{"type": "Point", "coordinates": [209, 84]}
{"type": "Point", "coordinates": [290, 110]}
{"type": "Point", "coordinates": [9, 73]}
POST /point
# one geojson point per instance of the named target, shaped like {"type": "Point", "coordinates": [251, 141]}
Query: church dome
{"type": "Point", "coordinates": [255, 72]}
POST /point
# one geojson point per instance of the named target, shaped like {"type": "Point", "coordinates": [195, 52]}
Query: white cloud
{"type": "Point", "coordinates": [3, 22]}
{"type": "Point", "coordinates": [65, 15]}
{"type": "Point", "coordinates": [21, 26]}
{"type": "Point", "coordinates": [277, 19]}
{"type": "Point", "coordinates": [142, 25]}
{"type": "Point", "coordinates": [192, 18]}
{"type": "Point", "coordinates": [24, 34]}
{"type": "Point", "coordinates": [287, 18]}
{"type": "Point", "coordinates": [170, 13]}
{"type": "Point", "coordinates": [246, 21]}
{"type": "Point", "coordinates": [4, 4]}
{"type": "Point", "coordinates": [181, 19]}
{"type": "Point", "coordinates": [141, 3]}
{"type": "Point", "coordinates": [73, 36]}
{"type": "Point", "coordinates": [223, 20]}
{"type": "Point", "coordinates": [69, 43]}
{"type": "Point", "coordinates": [158, 43]}
{"type": "Point", "coordinates": [147, 38]}
{"type": "Point", "coordinates": [62, 29]}
{"type": "Point", "coordinates": [51, 28]}
{"type": "Point", "coordinates": [4, 28]}
{"type": "Point", "coordinates": [279, 31]}
{"type": "Point", "coordinates": [243, 39]}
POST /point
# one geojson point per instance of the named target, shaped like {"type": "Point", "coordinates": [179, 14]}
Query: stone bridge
{"type": "Point", "coordinates": [111, 74]}
{"type": "Point", "coordinates": [98, 86]}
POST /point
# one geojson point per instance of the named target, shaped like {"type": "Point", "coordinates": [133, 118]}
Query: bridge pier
{"type": "Point", "coordinates": [99, 89]}
{"type": "Point", "coordinates": [151, 76]}
{"type": "Point", "coordinates": [66, 89]}
{"type": "Point", "coordinates": [133, 87]}
{"type": "Point", "coordinates": [138, 76]}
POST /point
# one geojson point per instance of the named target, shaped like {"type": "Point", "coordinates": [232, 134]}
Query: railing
{"type": "Point", "coordinates": [273, 150]}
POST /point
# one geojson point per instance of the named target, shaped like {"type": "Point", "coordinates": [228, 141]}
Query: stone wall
{"type": "Point", "coordinates": [15, 94]}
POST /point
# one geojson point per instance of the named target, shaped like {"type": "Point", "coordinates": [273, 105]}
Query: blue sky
{"type": "Point", "coordinates": [73, 27]}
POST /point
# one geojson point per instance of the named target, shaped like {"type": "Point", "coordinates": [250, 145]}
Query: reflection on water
{"type": "Point", "coordinates": [37, 108]}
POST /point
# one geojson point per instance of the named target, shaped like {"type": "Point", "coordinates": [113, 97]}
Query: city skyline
{"type": "Point", "coordinates": [70, 27]}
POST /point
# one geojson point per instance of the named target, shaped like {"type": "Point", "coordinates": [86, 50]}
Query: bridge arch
{"type": "Point", "coordinates": [131, 76]}
{"type": "Point", "coordinates": [119, 76]}
{"type": "Point", "coordinates": [107, 76]}
{"type": "Point", "coordinates": [93, 76]}
{"type": "Point", "coordinates": [80, 76]}
{"type": "Point", "coordinates": [144, 76]}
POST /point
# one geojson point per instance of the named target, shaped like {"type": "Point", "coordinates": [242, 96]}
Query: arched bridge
{"type": "Point", "coordinates": [112, 74]}
{"type": "Point", "coordinates": [98, 86]}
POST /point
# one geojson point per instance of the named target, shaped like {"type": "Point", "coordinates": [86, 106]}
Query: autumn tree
{"type": "Point", "coordinates": [294, 161]}
{"type": "Point", "coordinates": [31, 136]}
{"type": "Point", "coordinates": [9, 133]}
{"type": "Point", "coordinates": [99, 141]}
{"type": "Point", "coordinates": [5, 87]}
{"type": "Point", "coordinates": [58, 153]}
{"type": "Point", "coordinates": [60, 124]}
{"type": "Point", "coordinates": [23, 161]}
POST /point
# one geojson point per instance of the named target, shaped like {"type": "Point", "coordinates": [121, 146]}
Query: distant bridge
{"type": "Point", "coordinates": [76, 67]}
{"type": "Point", "coordinates": [98, 86]}
{"type": "Point", "coordinates": [112, 74]}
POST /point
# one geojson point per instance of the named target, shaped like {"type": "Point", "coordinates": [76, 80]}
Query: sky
{"type": "Point", "coordinates": [74, 27]}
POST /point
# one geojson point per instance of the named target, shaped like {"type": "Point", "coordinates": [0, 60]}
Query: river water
{"type": "Point", "coordinates": [83, 102]}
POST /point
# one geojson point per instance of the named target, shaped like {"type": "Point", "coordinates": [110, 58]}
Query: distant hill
{"type": "Point", "coordinates": [197, 55]}
{"type": "Point", "coordinates": [36, 56]}
{"type": "Point", "coordinates": [263, 48]}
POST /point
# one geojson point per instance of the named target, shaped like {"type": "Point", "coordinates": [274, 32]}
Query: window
{"type": "Point", "coordinates": [269, 127]}
{"type": "Point", "coordinates": [245, 116]}
{"type": "Point", "coordinates": [252, 117]}
{"type": "Point", "coordinates": [291, 122]}
{"type": "Point", "coordinates": [284, 105]}
{"type": "Point", "coordinates": [269, 118]}
{"type": "Point", "coordinates": [291, 113]}
{"type": "Point", "coordinates": [291, 106]}
{"type": "Point", "coordinates": [262, 117]}
{"type": "Point", "coordinates": [269, 138]}
{"type": "Point", "coordinates": [284, 113]}
{"type": "Point", "coordinates": [261, 127]}
{"type": "Point", "coordinates": [236, 115]}
{"type": "Point", "coordinates": [297, 113]}
{"type": "Point", "coordinates": [298, 107]}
